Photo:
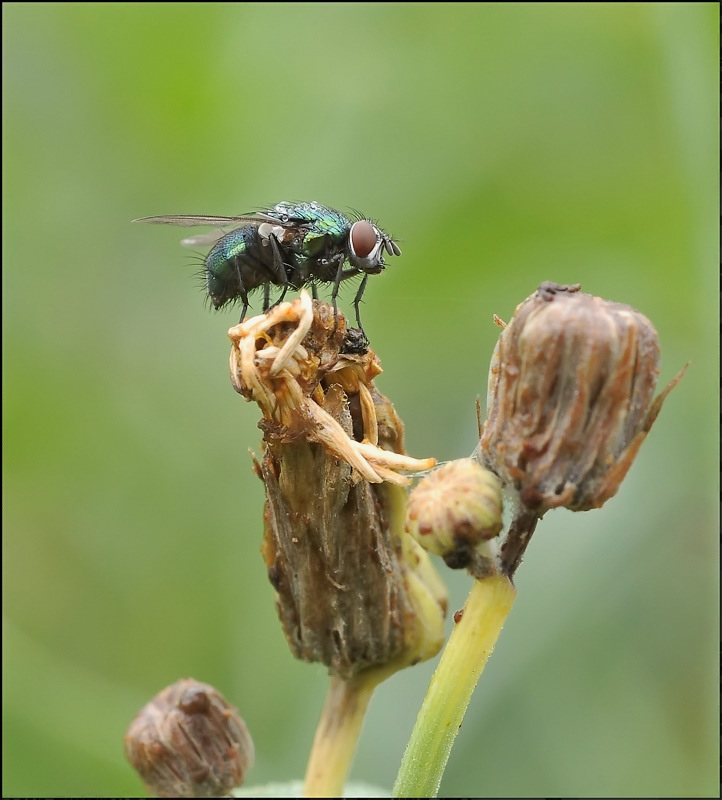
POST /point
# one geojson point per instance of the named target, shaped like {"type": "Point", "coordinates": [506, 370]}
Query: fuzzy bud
{"type": "Point", "coordinates": [455, 510]}
{"type": "Point", "coordinates": [189, 742]}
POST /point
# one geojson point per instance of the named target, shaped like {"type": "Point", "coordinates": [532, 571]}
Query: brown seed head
{"type": "Point", "coordinates": [189, 742]}
{"type": "Point", "coordinates": [353, 591]}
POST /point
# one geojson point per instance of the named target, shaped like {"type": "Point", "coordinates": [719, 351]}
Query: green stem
{"type": "Point", "coordinates": [462, 662]}
{"type": "Point", "coordinates": [337, 734]}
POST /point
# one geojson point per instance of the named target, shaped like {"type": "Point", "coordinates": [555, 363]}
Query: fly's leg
{"type": "Point", "coordinates": [242, 293]}
{"type": "Point", "coordinates": [280, 299]}
{"type": "Point", "coordinates": [278, 267]}
{"type": "Point", "coordinates": [341, 275]}
{"type": "Point", "coordinates": [279, 272]}
{"type": "Point", "coordinates": [356, 302]}
{"type": "Point", "coordinates": [334, 295]}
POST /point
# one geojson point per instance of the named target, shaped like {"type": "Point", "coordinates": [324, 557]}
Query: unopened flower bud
{"type": "Point", "coordinates": [570, 398]}
{"type": "Point", "coordinates": [455, 510]}
{"type": "Point", "coordinates": [189, 742]}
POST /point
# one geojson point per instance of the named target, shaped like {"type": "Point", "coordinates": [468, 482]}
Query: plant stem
{"type": "Point", "coordinates": [462, 662]}
{"type": "Point", "coordinates": [337, 733]}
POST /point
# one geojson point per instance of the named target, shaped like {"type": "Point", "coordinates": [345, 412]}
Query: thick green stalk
{"type": "Point", "coordinates": [462, 662]}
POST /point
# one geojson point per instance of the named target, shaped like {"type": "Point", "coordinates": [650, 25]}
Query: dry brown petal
{"type": "Point", "coordinates": [270, 366]}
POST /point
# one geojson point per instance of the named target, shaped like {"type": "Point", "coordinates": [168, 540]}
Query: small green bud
{"type": "Point", "coordinates": [454, 511]}
{"type": "Point", "coordinates": [189, 742]}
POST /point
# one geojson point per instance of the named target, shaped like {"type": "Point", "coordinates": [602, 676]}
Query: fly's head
{"type": "Point", "coordinates": [366, 246]}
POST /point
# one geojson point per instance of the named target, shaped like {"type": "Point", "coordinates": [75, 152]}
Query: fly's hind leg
{"type": "Point", "coordinates": [242, 293]}
{"type": "Point", "coordinates": [244, 300]}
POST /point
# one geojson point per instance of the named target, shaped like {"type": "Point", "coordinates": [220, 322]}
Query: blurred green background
{"type": "Point", "coordinates": [503, 145]}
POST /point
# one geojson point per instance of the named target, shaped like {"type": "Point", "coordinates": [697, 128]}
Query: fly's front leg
{"type": "Point", "coordinates": [334, 294]}
{"type": "Point", "coordinates": [341, 275]}
{"type": "Point", "coordinates": [356, 302]}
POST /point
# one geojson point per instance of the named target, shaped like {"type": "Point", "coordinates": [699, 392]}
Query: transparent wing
{"type": "Point", "coordinates": [204, 239]}
{"type": "Point", "coordinates": [188, 220]}
{"type": "Point", "coordinates": [227, 224]}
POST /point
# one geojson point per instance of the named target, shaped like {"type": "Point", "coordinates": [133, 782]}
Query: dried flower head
{"type": "Point", "coordinates": [570, 398]}
{"type": "Point", "coordinates": [454, 512]}
{"type": "Point", "coordinates": [353, 591]}
{"type": "Point", "coordinates": [189, 742]}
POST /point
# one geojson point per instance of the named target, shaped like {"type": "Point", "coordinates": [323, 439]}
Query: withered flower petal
{"type": "Point", "coordinates": [189, 742]}
{"type": "Point", "coordinates": [570, 398]}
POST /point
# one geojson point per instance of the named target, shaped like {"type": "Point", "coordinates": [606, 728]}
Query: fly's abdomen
{"type": "Point", "coordinates": [234, 267]}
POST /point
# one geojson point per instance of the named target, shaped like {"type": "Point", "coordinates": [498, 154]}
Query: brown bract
{"type": "Point", "coordinates": [348, 582]}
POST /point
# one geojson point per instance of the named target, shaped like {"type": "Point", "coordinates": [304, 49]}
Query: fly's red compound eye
{"type": "Point", "coordinates": [363, 238]}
